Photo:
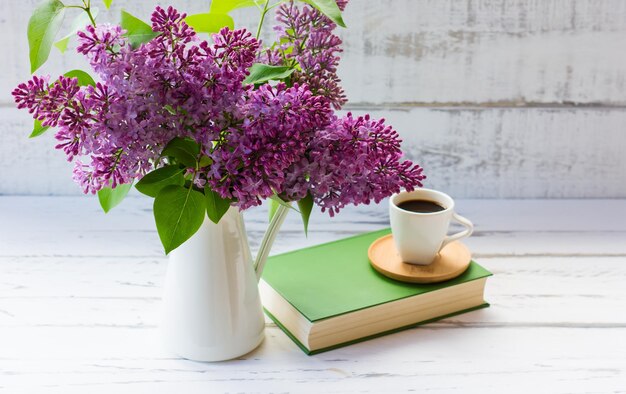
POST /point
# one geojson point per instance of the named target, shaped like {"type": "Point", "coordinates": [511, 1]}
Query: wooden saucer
{"type": "Point", "coordinates": [451, 262]}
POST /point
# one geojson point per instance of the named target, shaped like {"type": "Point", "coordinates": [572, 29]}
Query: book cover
{"type": "Point", "coordinates": [336, 278]}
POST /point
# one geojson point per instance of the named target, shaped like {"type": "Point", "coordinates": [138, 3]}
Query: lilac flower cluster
{"type": "Point", "coordinates": [255, 142]}
{"type": "Point", "coordinates": [172, 86]}
{"type": "Point", "coordinates": [251, 163]}
{"type": "Point", "coordinates": [354, 160]}
{"type": "Point", "coordinates": [305, 37]}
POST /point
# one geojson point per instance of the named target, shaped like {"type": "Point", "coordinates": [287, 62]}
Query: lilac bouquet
{"type": "Point", "coordinates": [204, 125]}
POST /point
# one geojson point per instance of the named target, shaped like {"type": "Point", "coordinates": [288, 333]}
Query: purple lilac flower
{"type": "Point", "coordinates": [102, 46]}
{"type": "Point", "coordinates": [307, 38]}
{"type": "Point", "coordinates": [342, 4]}
{"type": "Point", "coordinates": [283, 139]}
{"type": "Point", "coordinates": [115, 131]}
{"type": "Point", "coordinates": [276, 130]}
{"type": "Point", "coordinates": [353, 161]}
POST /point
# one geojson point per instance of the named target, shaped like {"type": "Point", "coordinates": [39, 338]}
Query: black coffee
{"type": "Point", "coordinates": [421, 206]}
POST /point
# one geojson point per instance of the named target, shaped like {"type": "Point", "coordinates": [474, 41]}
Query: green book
{"type": "Point", "coordinates": [327, 296]}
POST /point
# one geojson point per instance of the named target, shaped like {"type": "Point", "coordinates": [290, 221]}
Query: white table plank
{"type": "Point", "coordinates": [80, 297]}
{"type": "Point", "coordinates": [494, 360]}
{"type": "Point", "coordinates": [57, 292]}
{"type": "Point", "coordinates": [503, 227]}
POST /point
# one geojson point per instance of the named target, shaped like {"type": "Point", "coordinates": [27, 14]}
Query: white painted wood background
{"type": "Point", "coordinates": [495, 98]}
{"type": "Point", "coordinates": [80, 297]}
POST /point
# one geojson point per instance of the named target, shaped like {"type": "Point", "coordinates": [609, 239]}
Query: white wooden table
{"type": "Point", "coordinates": [80, 295]}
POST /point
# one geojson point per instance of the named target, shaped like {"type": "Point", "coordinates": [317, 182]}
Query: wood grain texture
{"type": "Point", "coordinates": [451, 262]}
{"type": "Point", "coordinates": [425, 52]}
{"type": "Point", "coordinates": [79, 312]}
{"type": "Point", "coordinates": [503, 52]}
{"type": "Point", "coordinates": [468, 152]}
{"type": "Point", "coordinates": [447, 360]}
{"type": "Point", "coordinates": [584, 228]}
{"type": "Point", "coordinates": [125, 293]}
{"type": "Point", "coordinates": [555, 70]}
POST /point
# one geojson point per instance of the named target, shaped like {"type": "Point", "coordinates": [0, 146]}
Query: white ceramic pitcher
{"type": "Point", "coordinates": [212, 310]}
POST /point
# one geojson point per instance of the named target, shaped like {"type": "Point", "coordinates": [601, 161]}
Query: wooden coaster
{"type": "Point", "coordinates": [452, 261]}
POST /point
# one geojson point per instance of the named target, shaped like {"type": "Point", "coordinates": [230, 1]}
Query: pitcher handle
{"type": "Point", "coordinates": [268, 240]}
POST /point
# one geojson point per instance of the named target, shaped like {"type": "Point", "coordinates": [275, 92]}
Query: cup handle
{"type": "Point", "coordinates": [469, 228]}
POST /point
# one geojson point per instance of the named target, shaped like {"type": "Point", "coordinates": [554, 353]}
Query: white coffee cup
{"type": "Point", "coordinates": [420, 236]}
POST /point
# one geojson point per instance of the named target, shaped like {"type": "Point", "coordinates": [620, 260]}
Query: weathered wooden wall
{"type": "Point", "coordinates": [496, 98]}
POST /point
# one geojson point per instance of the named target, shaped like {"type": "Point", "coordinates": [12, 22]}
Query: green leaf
{"type": "Point", "coordinates": [226, 6]}
{"type": "Point", "coordinates": [152, 183]}
{"type": "Point", "coordinates": [216, 206]}
{"type": "Point", "coordinates": [210, 23]}
{"type": "Point", "coordinates": [280, 201]}
{"type": "Point", "coordinates": [275, 202]}
{"type": "Point", "coordinates": [43, 26]}
{"type": "Point", "coordinates": [137, 31]}
{"type": "Point", "coordinates": [109, 198]}
{"type": "Point", "coordinates": [84, 79]}
{"type": "Point", "coordinates": [79, 23]}
{"type": "Point", "coordinates": [38, 129]}
{"type": "Point", "coordinates": [178, 213]}
{"type": "Point", "coordinates": [185, 151]}
{"type": "Point", "coordinates": [107, 3]}
{"type": "Point", "coordinates": [205, 161]}
{"type": "Point", "coordinates": [169, 109]}
{"type": "Point", "coordinates": [62, 43]}
{"type": "Point", "coordinates": [306, 206]}
{"type": "Point", "coordinates": [260, 73]}
{"type": "Point", "coordinates": [328, 8]}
